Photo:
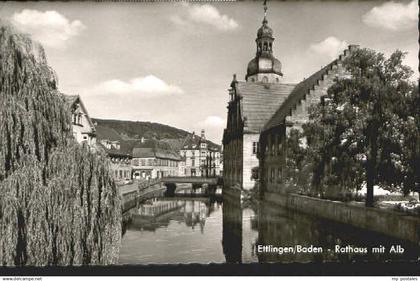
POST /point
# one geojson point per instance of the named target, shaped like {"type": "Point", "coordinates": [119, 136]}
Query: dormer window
{"type": "Point", "coordinates": [79, 119]}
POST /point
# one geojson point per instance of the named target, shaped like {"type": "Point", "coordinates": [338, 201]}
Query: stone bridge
{"type": "Point", "coordinates": [143, 190]}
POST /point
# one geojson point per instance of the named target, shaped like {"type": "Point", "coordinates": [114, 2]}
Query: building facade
{"type": "Point", "coordinates": [154, 162]}
{"type": "Point", "coordinates": [293, 113]}
{"type": "Point", "coordinates": [83, 127]}
{"type": "Point", "coordinates": [120, 165]}
{"type": "Point", "coordinates": [202, 159]}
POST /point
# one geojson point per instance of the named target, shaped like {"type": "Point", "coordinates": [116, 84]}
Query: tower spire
{"type": "Point", "coordinates": [265, 12]}
{"type": "Point", "coordinates": [264, 67]}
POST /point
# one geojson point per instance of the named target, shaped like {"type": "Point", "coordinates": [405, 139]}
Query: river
{"type": "Point", "coordinates": [203, 230]}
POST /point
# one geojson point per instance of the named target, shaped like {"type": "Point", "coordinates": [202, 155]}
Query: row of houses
{"type": "Point", "coordinates": [146, 159]}
{"type": "Point", "coordinates": [261, 112]}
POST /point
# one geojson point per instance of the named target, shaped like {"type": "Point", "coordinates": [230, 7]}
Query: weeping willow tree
{"type": "Point", "coordinates": [58, 202]}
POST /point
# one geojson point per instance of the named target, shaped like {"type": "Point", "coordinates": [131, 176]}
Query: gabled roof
{"type": "Point", "coordinates": [191, 142]}
{"type": "Point", "coordinates": [71, 100]}
{"type": "Point", "coordinates": [106, 133]}
{"type": "Point", "coordinates": [259, 101]}
{"type": "Point", "coordinates": [301, 90]}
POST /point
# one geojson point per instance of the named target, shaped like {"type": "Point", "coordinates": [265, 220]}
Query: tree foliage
{"type": "Point", "coordinates": [366, 129]}
{"type": "Point", "coordinates": [58, 202]}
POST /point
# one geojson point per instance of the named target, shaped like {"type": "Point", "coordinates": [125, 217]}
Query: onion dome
{"type": "Point", "coordinates": [264, 61]}
{"type": "Point", "coordinates": [264, 64]}
{"type": "Point", "coordinates": [265, 30]}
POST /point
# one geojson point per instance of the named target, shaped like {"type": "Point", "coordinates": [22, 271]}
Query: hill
{"type": "Point", "coordinates": [132, 131]}
{"type": "Point", "coordinates": [138, 129]}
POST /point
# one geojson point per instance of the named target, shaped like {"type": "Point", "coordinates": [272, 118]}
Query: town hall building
{"type": "Point", "coordinates": [263, 104]}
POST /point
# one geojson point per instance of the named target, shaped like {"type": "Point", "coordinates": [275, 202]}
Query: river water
{"type": "Point", "coordinates": [203, 230]}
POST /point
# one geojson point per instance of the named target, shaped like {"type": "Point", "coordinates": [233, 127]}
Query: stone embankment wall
{"type": "Point", "coordinates": [388, 222]}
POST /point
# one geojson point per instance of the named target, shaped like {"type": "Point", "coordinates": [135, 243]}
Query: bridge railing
{"type": "Point", "coordinates": [143, 184]}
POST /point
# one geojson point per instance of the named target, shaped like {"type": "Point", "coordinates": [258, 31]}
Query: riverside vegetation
{"type": "Point", "coordinates": [365, 132]}
{"type": "Point", "coordinates": [58, 202]}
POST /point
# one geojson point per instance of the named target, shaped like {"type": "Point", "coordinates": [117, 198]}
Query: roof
{"type": "Point", "coordinates": [143, 152]}
{"type": "Point", "coordinates": [175, 144]}
{"type": "Point", "coordinates": [259, 101]}
{"type": "Point", "coordinates": [106, 133]}
{"type": "Point", "coordinates": [155, 150]}
{"type": "Point", "coordinates": [113, 152]}
{"type": "Point", "coordinates": [300, 91]}
{"type": "Point", "coordinates": [117, 153]}
{"type": "Point", "coordinates": [191, 142]}
{"type": "Point", "coordinates": [167, 154]}
{"type": "Point", "coordinates": [71, 100]}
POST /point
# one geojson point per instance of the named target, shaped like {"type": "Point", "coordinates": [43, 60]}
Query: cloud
{"type": "Point", "coordinates": [393, 16]}
{"type": "Point", "coordinates": [213, 121]}
{"type": "Point", "coordinates": [213, 125]}
{"type": "Point", "coordinates": [205, 14]}
{"type": "Point", "coordinates": [146, 87]}
{"type": "Point", "coordinates": [330, 47]}
{"type": "Point", "coordinates": [50, 28]}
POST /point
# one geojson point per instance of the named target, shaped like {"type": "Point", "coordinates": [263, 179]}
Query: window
{"type": "Point", "coordinates": [278, 174]}
{"type": "Point", "coordinates": [272, 144]}
{"type": "Point", "coordinates": [279, 147]}
{"type": "Point", "coordinates": [143, 162]}
{"type": "Point", "coordinates": [254, 147]}
{"type": "Point", "coordinates": [265, 79]}
{"type": "Point", "coordinates": [193, 162]}
{"type": "Point", "coordinates": [135, 162]}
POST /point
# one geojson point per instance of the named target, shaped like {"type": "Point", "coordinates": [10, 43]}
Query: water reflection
{"type": "Point", "coordinates": [173, 231]}
{"type": "Point", "coordinates": [198, 230]}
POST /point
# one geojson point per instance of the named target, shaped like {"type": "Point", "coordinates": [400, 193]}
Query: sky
{"type": "Point", "coordinates": [172, 62]}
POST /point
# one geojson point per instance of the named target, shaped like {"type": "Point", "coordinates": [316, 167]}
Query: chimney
{"type": "Point", "coordinates": [203, 136]}
{"type": "Point", "coordinates": [193, 135]}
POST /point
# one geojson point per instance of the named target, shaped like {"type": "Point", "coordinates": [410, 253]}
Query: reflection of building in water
{"type": "Point", "coordinates": [232, 230]}
{"type": "Point", "coordinates": [159, 207]}
{"type": "Point", "coordinates": [240, 231]}
{"type": "Point", "coordinates": [195, 212]}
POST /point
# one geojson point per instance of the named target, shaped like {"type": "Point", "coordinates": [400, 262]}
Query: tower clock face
{"type": "Point", "coordinates": [264, 64]}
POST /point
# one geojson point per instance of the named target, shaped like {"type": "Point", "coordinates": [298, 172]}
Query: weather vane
{"type": "Point", "coordinates": [265, 8]}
